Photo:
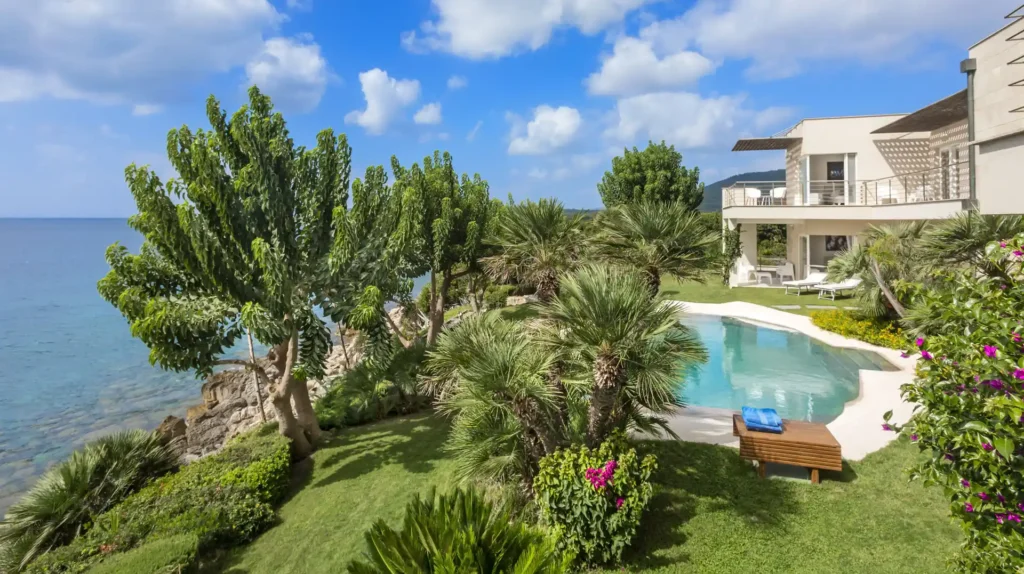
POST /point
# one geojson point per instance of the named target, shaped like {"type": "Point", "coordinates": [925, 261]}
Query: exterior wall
{"type": "Point", "coordinates": [850, 135]}
{"type": "Point", "coordinates": [794, 174]}
{"type": "Point", "coordinates": [994, 97]}
{"type": "Point", "coordinates": [1000, 167]}
{"type": "Point", "coordinates": [748, 258]}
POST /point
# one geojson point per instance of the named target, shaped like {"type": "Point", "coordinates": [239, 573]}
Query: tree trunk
{"type": "Point", "coordinates": [608, 375]}
{"type": "Point", "coordinates": [438, 294]}
{"type": "Point", "coordinates": [304, 413]}
{"type": "Point", "coordinates": [256, 379]}
{"type": "Point", "coordinates": [286, 423]}
{"type": "Point", "coordinates": [547, 286]}
{"type": "Point", "coordinates": [653, 281]}
{"type": "Point", "coordinates": [397, 331]}
{"type": "Point", "coordinates": [555, 382]}
{"type": "Point", "coordinates": [896, 305]}
{"type": "Point", "coordinates": [344, 347]}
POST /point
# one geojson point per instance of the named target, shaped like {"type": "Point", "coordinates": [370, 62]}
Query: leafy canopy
{"type": "Point", "coordinates": [655, 174]}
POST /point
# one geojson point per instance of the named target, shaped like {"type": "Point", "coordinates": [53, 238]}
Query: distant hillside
{"type": "Point", "coordinates": [713, 191]}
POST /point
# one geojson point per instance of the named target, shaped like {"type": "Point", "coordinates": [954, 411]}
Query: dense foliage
{"type": "Point", "coordinates": [971, 415]}
{"type": "Point", "coordinates": [457, 532]}
{"type": "Point", "coordinates": [68, 497]}
{"type": "Point", "coordinates": [771, 243]}
{"type": "Point", "coordinates": [594, 498]}
{"type": "Point", "coordinates": [535, 244]}
{"type": "Point", "coordinates": [656, 239]}
{"type": "Point", "coordinates": [655, 174]}
{"type": "Point", "coordinates": [875, 331]}
{"type": "Point", "coordinates": [732, 249]}
{"type": "Point", "coordinates": [163, 556]}
{"type": "Point", "coordinates": [366, 394]}
{"type": "Point", "coordinates": [496, 296]}
{"type": "Point", "coordinates": [222, 500]}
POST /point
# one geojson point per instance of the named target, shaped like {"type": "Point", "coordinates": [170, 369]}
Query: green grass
{"type": "Point", "coordinates": [714, 292]}
{"type": "Point", "coordinates": [711, 513]}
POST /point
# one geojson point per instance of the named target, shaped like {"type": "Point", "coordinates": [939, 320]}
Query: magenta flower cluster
{"type": "Point", "coordinates": [601, 477]}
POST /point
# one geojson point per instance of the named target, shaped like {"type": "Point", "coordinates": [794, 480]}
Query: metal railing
{"type": "Point", "coordinates": [940, 183]}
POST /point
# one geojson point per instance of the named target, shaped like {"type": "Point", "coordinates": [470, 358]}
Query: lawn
{"type": "Point", "coordinates": [714, 292]}
{"type": "Point", "coordinates": [711, 513]}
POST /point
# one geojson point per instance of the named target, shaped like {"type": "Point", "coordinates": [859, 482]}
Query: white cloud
{"type": "Point", "coordinates": [781, 37]}
{"type": "Point", "coordinates": [124, 51]}
{"type": "Point", "coordinates": [385, 98]}
{"type": "Point", "coordinates": [291, 71]}
{"type": "Point", "coordinates": [635, 68]}
{"type": "Point", "coordinates": [457, 82]}
{"type": "Point", "coordinates": [429, 114]}
{"type": "Point", "coordinates": [493, 28]}
{"type": "Point", "coordinates": [146, 109]}
{"type": "Point", "coordinates": [550, 129]}
{"type": "Point", "coordinates": [299, 4]}
{"type": "Point", "coordinates": [687, 120]}
{"type": "Point", "coordinates": [472, 133]}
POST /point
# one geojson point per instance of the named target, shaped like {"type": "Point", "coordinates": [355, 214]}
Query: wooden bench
{"type": "Point", "coordinates": [809, 445]}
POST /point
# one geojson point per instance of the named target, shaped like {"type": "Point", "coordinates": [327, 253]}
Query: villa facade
{"type": "Point", "coordinates": [845, 174]}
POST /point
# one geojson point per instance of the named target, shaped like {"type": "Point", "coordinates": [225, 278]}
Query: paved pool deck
{"type": "Point", "coordinates": [858, 429]}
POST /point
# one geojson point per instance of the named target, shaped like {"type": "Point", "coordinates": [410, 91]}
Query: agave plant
{"type": "Point", "coordinates": [67, 498]}
{"type": "Point", "coordinates": [536, 243]}
{"type": "Point", "coordinates": [625, 350]}
{"type": "Point", "coordinates": [657, 239]}
{"type": "Point", "coordinates": [459, 532]}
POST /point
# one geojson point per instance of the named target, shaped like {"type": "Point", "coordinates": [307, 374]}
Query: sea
{"type": "Point", "coordinates": [70, 371]}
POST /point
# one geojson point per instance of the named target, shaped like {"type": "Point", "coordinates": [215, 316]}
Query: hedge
{"type": "Point", "coordinates": [171, 554]}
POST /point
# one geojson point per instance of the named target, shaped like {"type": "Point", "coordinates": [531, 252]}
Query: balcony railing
{"type": "Point", "coordinates": [936, 184]}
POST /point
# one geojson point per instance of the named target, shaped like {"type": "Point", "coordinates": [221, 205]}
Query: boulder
{"type": "Point", "coordinates": [173, 427]}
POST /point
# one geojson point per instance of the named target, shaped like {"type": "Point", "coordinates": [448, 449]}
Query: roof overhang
{"type": "Point", "coordinates": [938, 115]}
{"type": "Point", "coordinates": [761, 144]}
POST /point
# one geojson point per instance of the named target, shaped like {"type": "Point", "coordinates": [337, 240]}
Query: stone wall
{"type": "Point", "coordinates": [231, 405]}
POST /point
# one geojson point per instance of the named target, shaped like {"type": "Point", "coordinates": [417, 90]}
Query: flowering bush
{"type": "Point", "coordinates": [593, 498]}
{"type": "Point", "coordinates": [881, 333]}
{"type": "Point", "coordinates": [971, 420]}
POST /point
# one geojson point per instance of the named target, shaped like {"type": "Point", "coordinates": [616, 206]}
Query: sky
{"type": "Point", "coordinates": [536, 96]}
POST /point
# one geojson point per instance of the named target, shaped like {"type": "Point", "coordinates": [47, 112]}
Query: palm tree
{"type": "Point", "coordinates": [491, 377]}
{"type": "Point", "coordinates": [622, 348]}
{"type": "Point", "coordinates": [536, 242]}
{"type": "Point", "coordinates": [961, 239]}
{"type": "Point", "coordinates": [658, 238]}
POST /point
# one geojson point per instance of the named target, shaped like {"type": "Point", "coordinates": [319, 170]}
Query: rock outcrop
{"type": "Point", "coordinates": [232, 405]}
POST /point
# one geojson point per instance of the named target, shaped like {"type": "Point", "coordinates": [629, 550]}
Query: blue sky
{"type": "Point", "coordinates": [535, 95]}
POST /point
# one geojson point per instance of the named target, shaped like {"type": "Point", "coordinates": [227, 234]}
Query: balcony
{"type": "Point", "coordinates": [945, 183]}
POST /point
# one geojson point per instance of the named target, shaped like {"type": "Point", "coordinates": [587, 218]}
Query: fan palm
{"type": "Point", "coordinates": [536, 242]}
{"type": "Point", "coordinates": [91, 481]}
{"type": "Point", "coordinates": [491, 377]}
{"type": "Point", "coordinates": [659, 238]}
{"type": "Point", "coordinates": [627, 350]}
{"type": "Point", "coordinates": [961, 239]}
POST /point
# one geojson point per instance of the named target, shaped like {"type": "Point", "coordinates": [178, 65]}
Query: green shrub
{"type": "Point", "coordinates": [66, 499]}
{"type": "Point", "coordinates": [495, 295]}
{"type": "Point", "coordinates": [364, 395]}
{"type": "Point", "coordinates": [166, 556]}
{"type": "Point", "coordinates": [881, 333]}
{"type": "Point", "coordinates": [222, 500]}
{"type": "Point", "coordinates": [969, 417]}
{"type": "Point", "coordinates": [460, 532]}
{"type": "Point", "coordinates": [594, 498]}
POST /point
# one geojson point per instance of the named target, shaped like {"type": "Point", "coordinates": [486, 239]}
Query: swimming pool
{"type": "Point", "coordinates": [761, 366]}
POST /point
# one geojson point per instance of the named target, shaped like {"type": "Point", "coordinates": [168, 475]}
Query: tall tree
{"type": "Point", "coordinates": [536, 243]}
{"type": "Point", "coordinates": [655, 174]}
{"type": "Point", "coordinates": [239, 242]}
{"type": "Point", "coordinates": [659, 238]}
{"type": "Point", "coordinates": [445, 219]}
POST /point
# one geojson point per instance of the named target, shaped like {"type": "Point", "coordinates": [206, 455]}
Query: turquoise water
{"type": "Point", "coordinates": [757, 366]}
{"type": "Point", "coordinates": [69, 369]}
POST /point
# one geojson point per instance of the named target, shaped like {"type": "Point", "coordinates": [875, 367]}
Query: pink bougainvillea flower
{"type": "Point", "coordinates": [1021, 421]}
{"type": "Point", "coordinates": [965, 483]}
{"type": "Point", "coordinates": [1013, 517]}
{"type": "Point", "coordinates": [913, 437]}
{"type": "Point", "coordinates": [983, 496]}
{"type": "Point", "coordinates": [996, 384]}
{"type": "Point", "coordinates": [618, 503]}
{"type": "Point", "coordinates": [1018, 374]}
{"type": "Point", "coordinates": [926, 355]}
{"type": "Point", "coordinates": [949, 456]}
{"type": "Point", "coordinates": [904, 354]}
{"type": "Point", "coordinates": [1002, 244]}
{"type": "Point", "coordinates": [1016, 338]}
{"type": "Point", "coordinates": [1020, 506]}
{"type": "Point", "coordinates": [969, 507]}
{"type": "Point", "coordinates": [1000, 518]}
{"type": "Point", "coordinates": [990, 351]}
{"type": "Point", "coordinates": [1001, 498]}
{"type": "Point", "coordinates": [1018, 253]}
{"type": "Point", "coordinates": [886, 427]}
{"type": "Point", "coordinates": [919, 342]}
{"type": "Point", "coordinates": [988, 447]}
{"type": "Point", "coordinates": [1002, 287]}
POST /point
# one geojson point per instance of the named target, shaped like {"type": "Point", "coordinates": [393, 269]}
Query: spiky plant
{"type": "Point", "coordinates": [657, 239]}
{"type": "Point", "coordinates": [459, 532]}
{"type": "Point", "coordinates": [91, 481]}
{"type": "Point", "coordinates": [627, 351]}
{"type": "Point", "coordinates": [961, 240]}
{"type": "Point", "coordinates": [492, 378]}
{"type": "Point", "coordinates": [536, 243]}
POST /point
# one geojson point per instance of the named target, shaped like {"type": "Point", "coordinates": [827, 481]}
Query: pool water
{"type": "Point", "coordinates": [759, 366]}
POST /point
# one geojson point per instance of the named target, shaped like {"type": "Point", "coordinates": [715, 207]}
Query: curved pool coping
{"type": "Point", "coordinates": [859, 427]}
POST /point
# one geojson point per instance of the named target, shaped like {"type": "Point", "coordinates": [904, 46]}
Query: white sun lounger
{"type": "Point", "coordinates": [829, 290]}
{"type": "Point", "coordinates": [812, 280]}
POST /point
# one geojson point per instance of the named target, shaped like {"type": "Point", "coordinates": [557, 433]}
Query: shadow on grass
{"type": "Point", "coordinates": [692, 478]}
{"type": "Point", "coordinates": [412, 441]}
{"type": "Point", "coordinates": [520, 312]}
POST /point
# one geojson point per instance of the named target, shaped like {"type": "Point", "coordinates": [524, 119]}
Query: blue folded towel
{"type": "Point", "coordinates": [764, 420]}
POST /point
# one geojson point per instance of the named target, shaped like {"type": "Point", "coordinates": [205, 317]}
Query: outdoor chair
{"type": "Point", "coordinates": [785, 270]}
{"type": "Point", "coordinates": [829, 290]}
{"type": "Point", "coordinates": [812, 280]}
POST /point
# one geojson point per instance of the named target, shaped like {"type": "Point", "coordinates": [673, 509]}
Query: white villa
{"type": "Point", "coordinates": [845, 174]}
